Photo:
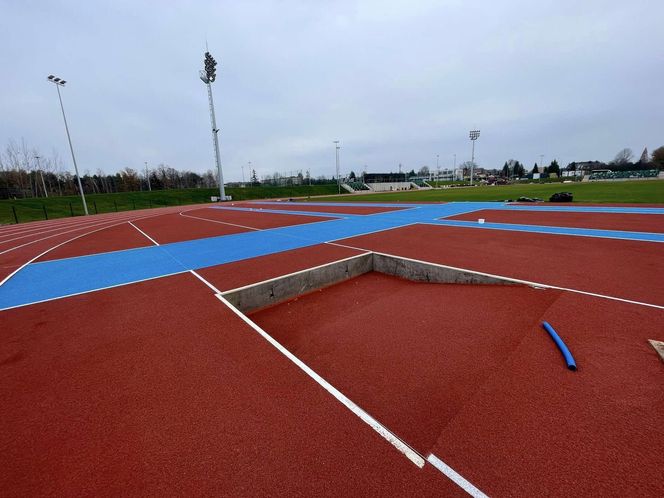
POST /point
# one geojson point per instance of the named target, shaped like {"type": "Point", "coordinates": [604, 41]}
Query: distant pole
{"type": "Point", "coordinates": [147, 175]}
{"type": "Point", "coordinates": [208, 76]}
{"type": "Point", "coordinates": [474, 135]}
{"type": "Point", "coordinates": [336, 143]}
{"type": "Point", "coordinates": [42, 175]}
{"type": "Point", "coordinates": [454, 171]}
{"type": "Point", "coordinates": [541, 161]}
{"type": "Point", "coordinates": [58, 83]}
{"type": "Point", "coordinates": [437, 168]}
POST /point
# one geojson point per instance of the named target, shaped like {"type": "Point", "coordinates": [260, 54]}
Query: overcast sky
{"type": "Point", "coordinates": [395, 82]}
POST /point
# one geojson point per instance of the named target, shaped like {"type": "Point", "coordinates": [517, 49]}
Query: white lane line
{"type": "Point", "coordinates": [54, 235]}
{"type": "Point", "coordinates": [93, 290]}
{"type": "Point", "coordinates": [72, 239]}
{"type": "Point", "coordinates": [450, 223]}
{"type": "Point", "coordinates": [214, 289]}
{"type": "Point", "coordinates": [37, 233]}
{"type": "Point", "coordinates": [407, 451]}
{"type": "Point", "coordinates": [146, 235]}
{"type": "Point", "coordinates": [410, 453]}
{"type": "Point", "coordinates": [220, 222]}
{"type": "Point", "coordinates": [456, 477]}
{"type": "Point", "coordinates": [294, 273]}
{"type": "Point", "coordinates": [510, 279]}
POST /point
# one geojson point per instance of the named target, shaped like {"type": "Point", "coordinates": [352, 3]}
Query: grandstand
{"type": "Point", "coordinates": [624, 175]}
{"type": "Point", "coordinates": [355, 186]}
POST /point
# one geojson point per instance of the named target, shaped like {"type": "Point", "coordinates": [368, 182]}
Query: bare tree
{"type": "Point", "coordinates": [623, 157]}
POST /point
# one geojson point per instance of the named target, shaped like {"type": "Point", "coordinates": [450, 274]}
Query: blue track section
{"type": "Point", "coordinates": [54, 279]}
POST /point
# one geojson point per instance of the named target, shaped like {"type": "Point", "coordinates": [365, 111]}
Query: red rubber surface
{"type": "Point", "coordinates": [454, 369]}
{"type": "Point", "coordinates": [620, 268]}
{"type": "Point", "coordinates": [175, 228]}
{"type": "Point", "coordinates": [233, 275]}
{"type": "Point", "coordinates": [301, 206]}
{"type": "Point", "coordinates": [110, 395]}
{"type": "Point", "coordinates": [380, 340]}
{"type": "Point", "coordinates": [115, 238]}
{"type": "Point", "coordinates": [255, 219]}
{"type": "Point", "coordinates": [537, 429]}
{"type": "Point", "coordinates": [21, 243]}
{"type": "Point", "coordinates": [606, 221]}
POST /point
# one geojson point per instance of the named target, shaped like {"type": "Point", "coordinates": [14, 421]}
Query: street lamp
{"type": "Point", "coordinates": [58, 82]}
{"type": "Point", "coordinates": [474, 135]}
{"type": "Point", "coordinates": [208, 76]}
{"type": "Point", "coordinates": [336, 143]}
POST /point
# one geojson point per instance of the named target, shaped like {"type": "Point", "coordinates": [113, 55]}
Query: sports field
{"type": "Point", "coordinates": [644, 191]}
{"type": "Point", "coordinates": [327, 349]}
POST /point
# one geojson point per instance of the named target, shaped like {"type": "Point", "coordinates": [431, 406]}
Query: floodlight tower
{"type": "Point", "coordinates": [336, 143]}
{"type": "Point", "coordinates": [474, 135]}
{"type": "Point", "coordinates": [207, 76]}
{"type": "Point", "coordinates": [58, 82]}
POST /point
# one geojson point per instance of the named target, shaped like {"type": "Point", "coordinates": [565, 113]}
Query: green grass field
{"type": "Point", "coordinates": [59, 207]}
{"type": "Point", "coordinates": [647, 191]}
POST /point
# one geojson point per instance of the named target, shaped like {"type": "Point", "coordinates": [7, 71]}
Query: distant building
{"type": "Point", "coordinates": [384, 177]}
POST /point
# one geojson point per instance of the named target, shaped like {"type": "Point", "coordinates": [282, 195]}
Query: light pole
{"type": "Point", "coordinates": [336, 143]}
{"type": "Point", "coordinates": [41, 173]}
{"type": "Point", "coordinates": [474, 135]}
{"type": "Point", "coordinates": [147, 176]}
{"type": "Point", "coordinates": [208, 76]}
{"type": "Point", "coordinates": [437, 169]}
{"type": "Point", "coordinates": [454, 171]}
{"type": "Point", "coordinates": [58, 82]}
{"type": "Point", "coordinates": [541, 161]}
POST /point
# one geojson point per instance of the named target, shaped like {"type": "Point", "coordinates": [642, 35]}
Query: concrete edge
{"type": "Point", "coordinates": [277, 290]}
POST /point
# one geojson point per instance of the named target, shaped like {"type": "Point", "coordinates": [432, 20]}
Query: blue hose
{"type": "Point", "coordinates": [571, 364]}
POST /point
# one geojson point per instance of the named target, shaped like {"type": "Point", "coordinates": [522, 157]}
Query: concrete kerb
{"type": "Point", "coordinates": [277, 290]}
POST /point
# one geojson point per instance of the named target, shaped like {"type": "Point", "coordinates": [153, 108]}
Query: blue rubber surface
{"type": "Point", "coordinates": [54, 279]}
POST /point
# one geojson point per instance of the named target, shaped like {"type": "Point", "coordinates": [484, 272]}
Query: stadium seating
{"type": "Point", "coordinates": [620, 175]}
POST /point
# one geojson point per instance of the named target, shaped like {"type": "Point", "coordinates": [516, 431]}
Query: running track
{"type": "Point", "coordinates": [125, 375]}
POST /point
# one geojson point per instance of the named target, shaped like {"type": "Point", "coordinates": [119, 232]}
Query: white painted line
{"type": "Point", "coordinates": [214, 289]}
{"type": "Point", "coordinates": [220, 222]}
{"type": "Point", "coordinates": [55, 235]}
{"type": "Point", "coordinates": [294, 273]}
{"type": "Point", "coordinates": [36, 233]}
{"type": "Point", "coordinates": [93, 290]}
{"type": "Point", "coordinates": [538, 285]}
{"type": "Point", "coordinates": [74, 238]}
{"type": "Point", "coordinates": [146, 235]}
{"type": "Point", "coordinates": [410, 453]}
{"type": "Point", "coordinates": [485, 227]}
{"type": "Point", "coordinates": [456, 477]}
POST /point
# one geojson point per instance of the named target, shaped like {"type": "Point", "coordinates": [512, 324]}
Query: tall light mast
{"type": "Point", "coordinates": [208, 75]}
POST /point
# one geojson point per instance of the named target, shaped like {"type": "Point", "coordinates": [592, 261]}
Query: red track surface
{"type": "Point", "coordinates": [101, 401]}
{"type": "Point", "coordinates": [606, 221]}
{"type": "Point", "coordinates": [620, 268]}
{"type": "Point", "coordinates": [176, 228]}
{"type": "Point", "coordinates": [256, 219]}
{"type": "Point", "coordinates": [22, 243]}
{"type": "Point", "coordinates": [157, 388]}
{"type": "Point", "coordinates": [233, 275]}
{"type": "Point", "coordinates": [115, 238]}
{"type": "Point", "coordinates": [488, 384]}
{"type": "Point", "coordinates": [301, 206]}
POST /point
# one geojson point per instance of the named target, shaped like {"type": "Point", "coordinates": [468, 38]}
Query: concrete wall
{"type": "Point", "coordinates": [277, 290]}
{"type": "Point", "coordinates": [287, 287]}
